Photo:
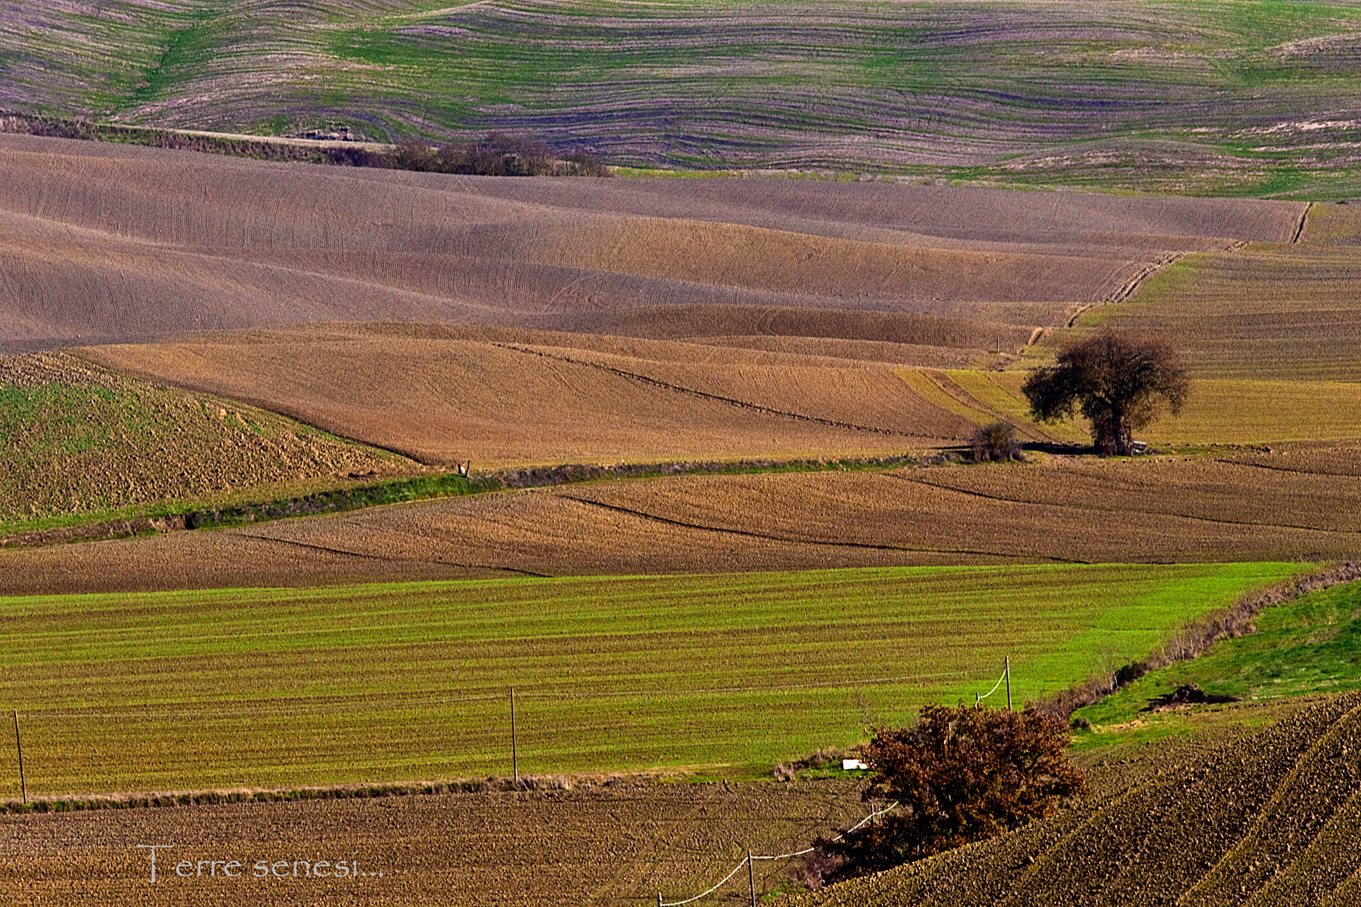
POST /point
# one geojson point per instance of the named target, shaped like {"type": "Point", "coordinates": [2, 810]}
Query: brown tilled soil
{"type": "Point", "coordinates": [619, 844]}
{"type": "Point", "coordinates": [1245, 506]}
{"type": "Point", "coordinates": [1265, 818]}
{"type": "Point", "coordinates": [105, 243]}
{"type": "Point", "coordinates": [1265, 310]}
{"type": "Point", "coordinates": [501, 396]}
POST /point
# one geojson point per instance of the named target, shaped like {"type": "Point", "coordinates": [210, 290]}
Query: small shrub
{"type": "Point", "coordinates": [995, 443]}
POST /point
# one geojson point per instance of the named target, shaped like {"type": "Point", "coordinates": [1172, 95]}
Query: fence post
{"type": "Point", "coordinates": [1008, 672]}
{"type": "Point", "coordinates": [18, 743]}
{"type": "Point", "coordinates": [751, 877]}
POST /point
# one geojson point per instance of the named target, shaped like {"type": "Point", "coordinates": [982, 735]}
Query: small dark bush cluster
{"type": "Point", "coordinates": [959, 775]}
{"type": "Point", "coordinates": [995, 443]}
{"type": "Point", "coordinates": [498, 154]}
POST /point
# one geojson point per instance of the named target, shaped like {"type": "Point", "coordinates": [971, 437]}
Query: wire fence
{"type": "Point", "coordinates": [175, 744]}
{"type": "Point", "coordinates": [749, 858]}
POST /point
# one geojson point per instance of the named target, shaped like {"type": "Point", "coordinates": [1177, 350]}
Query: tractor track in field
{"type": "Point", "coordinates": [312, 546]}
{"type": "Point", "coordinates": [1304, 220]}
{"type": "Point", "coordinates": [703, 395]}
{"type": "Point", "coordinates": [1086, 509]}
{"type": "Point", "coordinates": [769, 537]}
{"type": "Point", "coordinates": [1127, 289]}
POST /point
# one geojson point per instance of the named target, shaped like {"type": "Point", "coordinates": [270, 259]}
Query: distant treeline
{"type": "Point", "coordinates": [497, 154]}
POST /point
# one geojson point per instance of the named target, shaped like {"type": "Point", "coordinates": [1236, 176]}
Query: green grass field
{"type": "Point", "coordinates": [410, 682]}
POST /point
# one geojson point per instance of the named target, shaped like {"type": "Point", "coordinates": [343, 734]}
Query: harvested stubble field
{"type": "Point", "coordinates": [231, 688]}
{"type": "Point", "coordinates": [1266, 813]}
{"type": "Point", "coordinates": [1297, 502]}
{"type": "Point", "coordinates": [617, 844]}
{"type": "Point", "coordinates": [1251, 97]}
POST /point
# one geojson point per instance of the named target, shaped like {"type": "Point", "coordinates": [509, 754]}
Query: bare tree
{"type": "Point", "coordinates": [1117, 380]}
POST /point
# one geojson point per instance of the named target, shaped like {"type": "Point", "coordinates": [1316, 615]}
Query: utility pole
{"type": "Point", "coordinates": [514, 754]}
{"type": "Point", "coordinates": [23, 785]}
{"type": "Point", "coordinates": [1007, 668]}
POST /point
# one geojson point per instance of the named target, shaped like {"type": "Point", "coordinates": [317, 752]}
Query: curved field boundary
{"type": "Point", "coordinates": [1127, 290]}
{"type": "Point", "coordinates": [772, 537]}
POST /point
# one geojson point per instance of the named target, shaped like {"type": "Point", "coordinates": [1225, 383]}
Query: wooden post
{"type": "Point", "coordinates": [1008, 672]}
{"type": "Point", "coordinates": [514, 753]}
{"type": "Point", "coordinates": [751, 876]}
{"type": "Point", "coordinates": [18, 743]}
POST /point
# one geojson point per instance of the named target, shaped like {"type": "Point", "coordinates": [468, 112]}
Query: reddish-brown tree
{"type": "Point", "coordinates": [959, 775]}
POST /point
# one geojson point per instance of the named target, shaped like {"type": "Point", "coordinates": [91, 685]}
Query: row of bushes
{"type": "Point", "coordinates": [497, 154]}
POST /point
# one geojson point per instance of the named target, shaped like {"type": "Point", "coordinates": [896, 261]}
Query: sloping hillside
{"type": "Point", "coordinates": [103, 243]}
{"type": "Point", "coordinates": [1266, 818]}
{"type": "Point", "coordinates": [1254, 96]}
{"type": "Point", "coordinates": [74, 439]}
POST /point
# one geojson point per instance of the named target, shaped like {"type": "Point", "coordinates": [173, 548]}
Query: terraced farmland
{"type": "Point", "coordinates": [1254, 97]}
{"type": "Point", "coordinates": [372, 683]}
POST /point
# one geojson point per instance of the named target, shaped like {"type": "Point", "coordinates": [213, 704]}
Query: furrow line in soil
{"type": "Point", "coordinates": [747, 533]}
{"type": "Point", "coordinates": [1299, 228]}
{"type": "Point", "coordinates": [312, 546]}
{"type": "Point", "coordinates": [729, 401]}
{"type": "Point", "coordinates": [1081, 508]}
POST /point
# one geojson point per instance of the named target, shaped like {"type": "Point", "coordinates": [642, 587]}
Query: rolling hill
{"type": "Point", "coordinates": [1252, 97]}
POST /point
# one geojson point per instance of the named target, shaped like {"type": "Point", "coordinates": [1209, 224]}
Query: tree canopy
{"type": "Point", "coordinates": [1119, 381]}
{"type": "Point", "coordinates": [959, 775]}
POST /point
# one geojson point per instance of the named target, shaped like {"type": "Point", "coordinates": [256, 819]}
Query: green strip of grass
{"type": "Point", "coordinates": [1306, 646]}
{"type": "Point", "coordinates": [383, 683]}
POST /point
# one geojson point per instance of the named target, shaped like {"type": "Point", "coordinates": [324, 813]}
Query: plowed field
{"type": "Point", "coordinates": [105, 243]}
{"type": "Point", "coordinates": [494, 399]}
{"type": "Point", "coordinates": [1263, 312]}
{"type": "Point", "coordinates": [1298, 502]}
{"type": "Point", "coordinates": [1267, 818]}
{"type": "Point", "coordinates": [606, 845]}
